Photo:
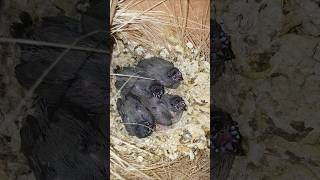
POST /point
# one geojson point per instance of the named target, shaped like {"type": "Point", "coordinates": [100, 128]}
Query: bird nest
{"type": "Point", "coordinates": [178, 32]}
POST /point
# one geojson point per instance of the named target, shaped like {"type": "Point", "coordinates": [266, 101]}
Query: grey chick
{"type": "Point", "coordinates": [161, 70]}
{"type": "Point", "coordinates": [166, 110]}
{"type": "Point", "coordinates": [137, 119]}
{"type": "Point", "coordinates": [138, 86]}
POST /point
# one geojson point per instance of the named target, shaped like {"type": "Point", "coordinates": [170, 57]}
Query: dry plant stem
{"type": "Point", "coordinates": [157, 176]}
{"type": "Point", "coordinates": [128, 165]}
{"type": "Point", "coordinates": [117, 95]}
{"type": "Point", "coordinates": [42, 43]}
{"type": "Point", "coordinates": [162, 22]}
{"type": "Point", "coordinates": [29, 94]}
{"type": "Point", "coordinates": [117, 162]}
{"type": "Point", "coordinates": [131, 145]}
{"type": "Point", "coordinates": [132, 76]}
{"type": "Point", "coordinates": [137, 24]}
{"type": "Point", "coordinates": [114, 4]}
{"type": "Point", "coordinates": [139, 125]}
{"type": "Point", "coordinates": [131, 3]}
{"type": "Point", "coordinates": [161, 164]}
{"type": "Point", "coordinates": [186, 17]}
{"type": "Point", "coordinates": [117, 175]}
{"type": "Point", "coordinates": [133, 18]}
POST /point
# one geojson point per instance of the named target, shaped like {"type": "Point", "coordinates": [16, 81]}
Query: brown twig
{"type": "Point", "coordinates": [132, 76]}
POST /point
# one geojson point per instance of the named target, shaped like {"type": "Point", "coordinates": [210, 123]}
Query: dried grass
{"type": "Point", "coordinates": [125, 166]}
{"type": "Point", "coordinates": [169, 24]}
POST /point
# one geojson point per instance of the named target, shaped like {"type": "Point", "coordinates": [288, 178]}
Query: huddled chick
{"type": "Point", "coordinates": [143, 101]}
{"type": "Point", "coordinates": [225, 136]}
{"type": "Point", "coordinates": [220, 49]}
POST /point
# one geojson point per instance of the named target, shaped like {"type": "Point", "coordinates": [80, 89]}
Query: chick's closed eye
{"type": "Point", "coordinates": [178, 104]}
{"type": "Point", "coordinates": [157, 90]}
{"type": "Point", "coordinates": [175, 74]}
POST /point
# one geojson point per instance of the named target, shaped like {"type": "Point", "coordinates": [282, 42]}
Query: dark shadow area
{"type": "Point", "coordinates": [225, 140]}
{"type": "Point", "coordinates": [67, 135]}
{"type": "Point", "coordinates": [268, 83]}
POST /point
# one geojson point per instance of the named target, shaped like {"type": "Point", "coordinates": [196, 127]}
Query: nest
{"type": "Point", "coordinates": [179, 32]}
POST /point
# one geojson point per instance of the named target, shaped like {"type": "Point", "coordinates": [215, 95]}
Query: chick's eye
{"type": "Point", "coordinates": [177, 76]}
{"type": "Point", "coordinates": [172, 72]}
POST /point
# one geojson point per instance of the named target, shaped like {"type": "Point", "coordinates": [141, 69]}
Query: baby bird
{"type": "Point", "coordinates": [161, 70]}
{"type": "Point", "coordinates": [226, 136]}
{"type": "Point", "coordinates": [221, 43]}
{"type": "Point", "coordinates": [137, 119]}
{"type": "Point", "coordinates": [220, 50]}
{"type": "Point", "coordinates": [166, 110]}
{"type": "Point", "coordinates": [138, 86]}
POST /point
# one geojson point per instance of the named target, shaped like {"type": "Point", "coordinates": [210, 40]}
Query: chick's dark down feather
{"type": "Point", "coordinates": [136, 118]}
{"type": "Point", "coordinates": [161, 70]}
{"type": "Point", "coordinates": [167, 110]}
{"type": "Point", "coordinates": [138, 86]}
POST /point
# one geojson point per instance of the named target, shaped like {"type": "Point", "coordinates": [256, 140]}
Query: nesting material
{"type": "Point", "coordinates": [188, 135]}
{"type": "Point", "coordinates": [273, 90]}
{"type": "Point", "coordinates": [174, 25]}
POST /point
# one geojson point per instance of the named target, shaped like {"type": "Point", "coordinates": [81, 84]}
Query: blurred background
{"type": "Point", "coordinates": [272, 87]}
